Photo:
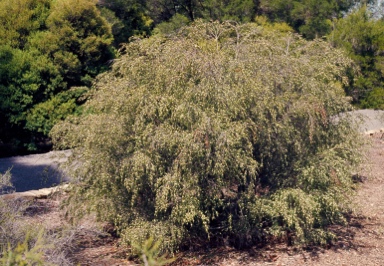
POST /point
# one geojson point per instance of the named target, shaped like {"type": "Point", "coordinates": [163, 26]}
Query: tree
{"type": "Point", "coordinates": [362, 36]}
{"type": "Point", "coordinates": [46, 48]}
{"type": "Point", "coordinates": [129, 17]}
{"type": "Point", "coordinates": [20, 18]}
{"type": "Point", "coordinates": [221, 132]}
{"type": "Point", "coordinates": [311, 18]}
{"type": "Point", "coordinates": [239, 10]}
{"type": "Point", "coordinates": [26, 78]}
{"type": "Point", "coordinates": [83, 40]}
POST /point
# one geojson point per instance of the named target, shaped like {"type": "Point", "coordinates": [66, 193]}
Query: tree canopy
{"type": "Point", "coordinates": [311, 18]}
{"type": "Point", "coordinates": [49, 52]}
{"type": "Point", "coordinates": [223, 132]}
{"type": "Point", "coordinates": [362, 36]}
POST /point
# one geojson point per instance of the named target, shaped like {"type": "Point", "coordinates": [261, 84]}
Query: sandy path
{"type": "Point", "coordinates": [368, 243]}
{"type": "Point", "coordinates": [369, 120]}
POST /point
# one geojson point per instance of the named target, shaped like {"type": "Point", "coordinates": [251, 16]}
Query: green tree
{"type": "Point", "coordinates": [163, 10]}
{"type": "Point", "coordinates": [26, 78]}
{"type": "Point", "coordinates": [175, 23]}
{"type": "Point", "coordinates": [46, 48]}
{"type": "Point", "coordinates": [311, 18]}
{"type": "Point", "coordinates": [129, 17]}
{"type": "Point", "coordinates": [362, 36]}
{"type": "Point", "coordinates": [20, 18]}
{"type": "Point", "coordinates": [238, 10]}
{"type": "Point", "coordinates": [220, 132]}
{"type": "Point", "coordinates": [82, 38]}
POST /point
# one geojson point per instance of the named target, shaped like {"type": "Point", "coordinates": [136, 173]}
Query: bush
{"type": "Point", "coordinates": [50, 52]}
{"type": "Point", "coordinates": [6, 185]}
{"type": "Point", "coordinates": [221, 132]}
{"type": "Point", "coordinates": [22, 255]}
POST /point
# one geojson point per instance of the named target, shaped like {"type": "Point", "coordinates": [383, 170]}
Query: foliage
{"type": "Point", "coordinates": [374, 99]}
{"type": "Point", "coordinates": [149, 252]}
{"type": "Point", "coordinates": [362, 36]}
{"type": "Point", "coordinates": [177, 21]}
{"type": "Point", "coordinates": [20, 18]}
{"type": "Point", "coordinates": [47, 47]}
{"type": "Point", "coordinates": [22, 255]}
{"type": "Point", "coordinates": [83, 40]}
{"type": "Point", "coordinates": [6, 185]}
{"type": "Point", "coordinates": [221, 131]}
{"type": "Point", "coordinates": [311, 18]}
{"type": "Point", "coordinates": [43, 116]}
{"type": "Point", "coordinates": [238, 10]}
{"type": "Point", "coordinates": [129, 18]}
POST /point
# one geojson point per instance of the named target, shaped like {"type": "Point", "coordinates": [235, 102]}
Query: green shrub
{"type": "Point", "coordinates": [375, 99]}
{"type": "Point", "coordinates": [6, 185]}
{"type": "Point", "coordinates": [221, 132]}
{"type": "Point", "coordinates": [22, 255]}
{"type": "Point", "coordinates": [149, 252]}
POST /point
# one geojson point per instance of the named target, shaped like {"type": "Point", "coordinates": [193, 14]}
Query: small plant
{"type": "Point", "coordinates": [149, 252]}
{"type": "Point", "coordinates": [23, 254]}
{"type": "Point", "coordinates": [6, 185]}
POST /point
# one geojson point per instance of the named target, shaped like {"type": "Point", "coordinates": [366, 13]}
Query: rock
{"type": "Point", "coordinates": [35, 194]}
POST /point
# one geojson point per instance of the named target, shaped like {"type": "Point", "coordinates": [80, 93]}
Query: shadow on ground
{"type": "Point", "coordinates": [37, 171]}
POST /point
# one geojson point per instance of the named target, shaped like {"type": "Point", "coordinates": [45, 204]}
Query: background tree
{"type": "Point", "coordinates": [362, 36]}
{"type": "Point", "coordinates": [221, 132]}
{"type": "Point", "coordinates": [47, 48]}
{"type": "Point", "coordinates": [129, 17]}
{"type": "Point", "coordinates": [311, 18]}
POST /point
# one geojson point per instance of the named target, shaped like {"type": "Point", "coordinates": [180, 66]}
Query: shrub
{"type": "Point", "coordinates": [221, 132]}
{"type": "Point", "coordinates": [22, 255]}
{"type": "Point", "coordinates": [6, 185]}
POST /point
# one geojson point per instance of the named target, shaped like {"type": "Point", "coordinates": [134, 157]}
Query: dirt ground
{"type": "Point", "coordinates": [359, 243]}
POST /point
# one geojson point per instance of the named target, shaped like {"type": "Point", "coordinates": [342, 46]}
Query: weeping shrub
{"type": "Point", "coordinates": [220, 132]}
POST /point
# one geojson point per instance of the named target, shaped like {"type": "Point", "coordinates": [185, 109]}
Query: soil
{"type": "Point", "coordinates": [361, 242]}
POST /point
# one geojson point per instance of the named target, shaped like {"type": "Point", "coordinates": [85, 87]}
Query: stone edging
{"type": "Point", "coordinates": [35, 194]}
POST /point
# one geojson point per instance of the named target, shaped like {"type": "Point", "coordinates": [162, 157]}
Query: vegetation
{"type": "Point", "coordinates": [23, 242]}
{"type": "Point", "coordinates": [149, 253]}
{"type": "Point", "coordinates": [20, 244]}
{"type": "Point", "coordinates": [219, 133]}
{"type": "Point", "coordinates": [49, 51]}
{"type": "Point", "coordinates": [206, 132]}
{"type": "Point", "coordinates": [362, 36]}
{"type": "Point", "coordinates": [22, 255]}
{"type": "Point", "coordinates": [310, 18]}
